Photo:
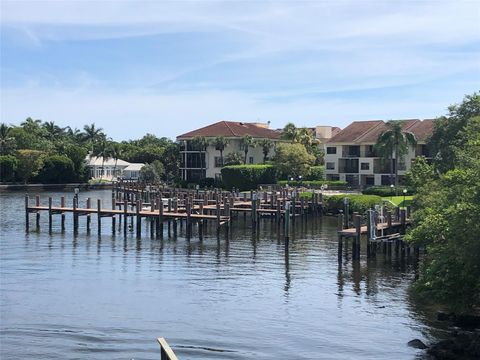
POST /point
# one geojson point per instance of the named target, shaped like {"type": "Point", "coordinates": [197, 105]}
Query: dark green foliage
{"type": "Point", "coordinates": [233, 158]}
{"type": "Point", "coordinates": [449, 132]}
{"type": "Point", "coordinates": [57, 169]}
{"type": "Point", "coordinates": [207, 182]}
{"type": "Point", "coordinates": [358, 203]}
{"type": "Point", "coordinates": [386, 191]}
{"type": "Point", "coordinates": [246, 177]}
{"type": "Point", "coordinates": [8, 165]}
{"type": "Point", "coordinates": [316, 173]}
{"type": "Point", "coordinates": [446, 219]}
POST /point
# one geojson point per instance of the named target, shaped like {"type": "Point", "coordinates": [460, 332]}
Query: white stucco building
{"type": "Point", "coordinates": [111, 169]}
{"type": "Point", "coordinates": [192, 168]}
{"type": "Point", "coordinates": [350, 155]}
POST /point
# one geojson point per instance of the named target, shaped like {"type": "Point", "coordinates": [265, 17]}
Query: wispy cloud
{"type": "Point", "coordinates": [278, 60]}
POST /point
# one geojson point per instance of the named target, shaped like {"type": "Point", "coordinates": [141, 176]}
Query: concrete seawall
{"type": "Point", "coordinates": [31, 187]}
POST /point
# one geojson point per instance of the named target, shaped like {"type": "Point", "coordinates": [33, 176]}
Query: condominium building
{"type": "Point", "coordinates": [350, 154]}
{"type": "Point", "coordinates": [197, 164]}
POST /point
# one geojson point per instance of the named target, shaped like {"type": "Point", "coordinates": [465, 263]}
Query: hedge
{"type": "Point", "coordinates": [316, 173]}
{"type": "Point", "coordinates": [358, 203]}
{"type": "Point", "coordinates": [385, 191]}
{"type": "Point", "coordinates": [247, 177]}
{"type": "Point", "coordinates": [315, 184]}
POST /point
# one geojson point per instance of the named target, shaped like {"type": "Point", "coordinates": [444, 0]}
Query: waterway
{"type": "Point", "coordinates": [81, 297]}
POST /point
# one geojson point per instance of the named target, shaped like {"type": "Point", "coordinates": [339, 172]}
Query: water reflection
{"type": "Point", "coordinates": [246, 294]}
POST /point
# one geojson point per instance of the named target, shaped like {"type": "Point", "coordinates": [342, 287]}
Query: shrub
{"type": "Point", "coordinates": [386, 191]}
{"type": "Point", "coordinates": [57, 169]}
{"type": "Point", "coordinates": [358, 203]}
{"type": "Point", "coordinates": [316, 173]}
{"type": "Point", "coordinates": [316, 184]}
{"type": "Point", "coordinates": [8, 165]}
{"type": "Point", "coordinates": [206, 182]}
{"type": "Point", "coordinates": [246, 177]}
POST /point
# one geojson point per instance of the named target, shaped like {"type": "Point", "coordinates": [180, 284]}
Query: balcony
{"type": "Point", "coordinates": [348, 166]}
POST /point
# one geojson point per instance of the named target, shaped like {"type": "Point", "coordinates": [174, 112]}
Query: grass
{"type": "Point", "coordinates": [398, 200]}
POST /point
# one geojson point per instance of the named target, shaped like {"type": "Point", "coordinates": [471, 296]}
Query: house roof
{"type": "Point", "coordinates": [98, 161]}
{"type": "Point", "coordinates": [134, 167]}
{"type": "Point", "coordinates": [369, 131]}
{"type": "Point", "coordinates": [232, 129]}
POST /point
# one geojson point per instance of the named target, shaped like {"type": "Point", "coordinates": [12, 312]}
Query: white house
{"type": "Point", "coordinates": [111, 169]}
{"type": "Point", "coordinates": [350, 155]}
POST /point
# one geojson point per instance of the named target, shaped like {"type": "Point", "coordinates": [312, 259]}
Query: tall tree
{"type": "Point", "coordinates": [92, 134]}
{"type": "Point", "coordinates": [394, 143]}
{"type": "Point", "coordinates": [53, 131]}
{"type": "Point", "coordinates": [449, 132]}
{"type": "Point", "coordinates": [102, 149]}
{"type": "Point", "coordinates": [7, 142]}
{"type": "Point", "coordinates": [220, 144]}
{"type": "Point", "coordinates": [290, 132]}
{"type": "Point", "coordinates": [115, 153]}
{"type": "Point", "coordinates": [247, 143]}
{"type": "Point", "coordinates": [266, 145]}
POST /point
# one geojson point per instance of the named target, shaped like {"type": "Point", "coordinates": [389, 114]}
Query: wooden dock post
{"type": "Point", "coordinates": [358, 234]}
{"type": "Point", "coordinates": [287, 221]}
{"type": "Point", "coordinates": [139, 219]}
{"type": "Point", "coordinates": [75, 215]}
{"type": "Point", "coordinates": [37, 215]}
{"type": "Point", "coordinates": [160, 216]}
{"type": "Point", "coordinates": [114, 219]}
{"type": "Point", "coordinates": [99, 216]}
{"type": "Point", "coordinates": [89, 205]}
{"type": "Point", "coordinates": [50, 215]}
{"type": "Point", "coordinates": [340, 223]}
{"type": "Point", "coordinates": [62, 217]}
{"type": "Point", "coordinates": [125, 216]}
{"type": "Point", "coordinates": [27, 213]}
{"type": "Point", "coordinates": [188, 209]}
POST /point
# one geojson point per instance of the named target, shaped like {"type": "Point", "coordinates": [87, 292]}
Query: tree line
{"type": "Point", "coordinates": [38, 151]}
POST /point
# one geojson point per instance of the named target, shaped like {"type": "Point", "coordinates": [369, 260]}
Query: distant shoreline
{"type": "Point", "coordinates": [72, 186]}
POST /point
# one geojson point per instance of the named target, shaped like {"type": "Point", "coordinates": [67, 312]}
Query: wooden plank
{"type": "Point", "coordinates": [166, 352]}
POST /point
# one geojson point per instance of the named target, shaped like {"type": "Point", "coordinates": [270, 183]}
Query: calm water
{"type": "Point", "coordinates": [66, 297]}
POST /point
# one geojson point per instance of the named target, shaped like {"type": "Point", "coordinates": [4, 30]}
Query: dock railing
{"type": "Point", "coordinates": [166, 352]}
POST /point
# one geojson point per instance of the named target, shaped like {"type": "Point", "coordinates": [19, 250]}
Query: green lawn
{"type": "Point", "coordinates": [398, 200]}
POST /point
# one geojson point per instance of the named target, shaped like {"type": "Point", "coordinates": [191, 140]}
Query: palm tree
{"type": "Point", "coordinates": [31, 126]}
{"type": "Point", "coordinates": [394, 143]}
{"type": "Point", "coordinates": [305, 137]}
{"type": "Point", "coordinates": [7, 142]}
{"type": "Point", "coordinates": [247, 142]}
{"type": "Point", "coordinates": [290, 132]}
{"type": "Point", "coordinates": [53, 131]}
{"type": "Point", "coordinates": [220, 144]}
{"type": "Point", "coordinates": [266, 145]}
{"type": "Point", "coordinates": [116, 152]}
{"type": "Point", "coordinates": [201, 143]}
{"type": "Point", "coordinates": [92, 134]}
{"type": "Point", "coordinates": [102, 149]}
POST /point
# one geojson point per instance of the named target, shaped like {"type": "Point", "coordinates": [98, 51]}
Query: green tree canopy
{"type": "Point", "coordinates": [293, 159]}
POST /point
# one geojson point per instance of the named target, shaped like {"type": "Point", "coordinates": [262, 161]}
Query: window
{"type": "Point", "coordinates": [250, 160]}
{"type": "Point", "coordinates": [218, 161]}
{"type": "Point", "coordinates": [330, 166]}
{"type": "Point", "coordinates": [365, 166]}
{"type": "Point", "coordinates": [331, 150]}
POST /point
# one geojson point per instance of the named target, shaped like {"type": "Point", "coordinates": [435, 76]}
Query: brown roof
{"type": "Point", "coordinates": [422, 129]}
{"type": "Point", "coordinates": [369, 131]}
{"type": "Point", "coordinates": [232, 129]}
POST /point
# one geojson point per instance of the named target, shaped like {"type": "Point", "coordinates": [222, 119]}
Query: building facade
{"type": "Point", "coordinates": [197, 164]}
{"type": "Point", "coordinates": [350, 154]}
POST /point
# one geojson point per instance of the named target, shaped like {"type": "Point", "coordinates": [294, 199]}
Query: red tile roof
{"type": "Point", "coordinates": [368, 131]}
{"type": "Point", "coordinates": [232, 129]}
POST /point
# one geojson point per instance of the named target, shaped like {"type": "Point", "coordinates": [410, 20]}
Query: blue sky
{"type": "Point", "coordinates": [169, 67]}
